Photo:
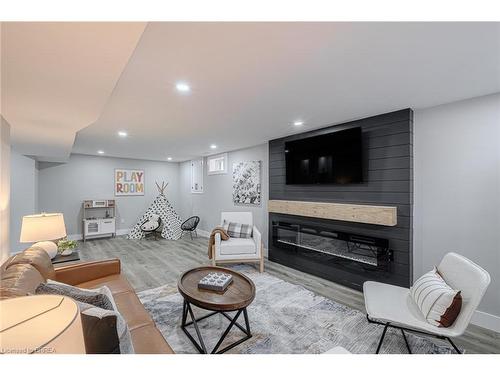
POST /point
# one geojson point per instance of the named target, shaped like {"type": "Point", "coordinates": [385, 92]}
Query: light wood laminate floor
{"type": "Point", "coordinates": [150, 264]}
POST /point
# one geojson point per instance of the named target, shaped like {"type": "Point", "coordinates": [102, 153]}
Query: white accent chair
{"type": "Point", "coordinates": [239, 250]}
{"type": "Point", "coordinates": [392, 306]}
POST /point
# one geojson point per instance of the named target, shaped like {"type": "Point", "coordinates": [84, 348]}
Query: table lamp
{"type": "Point", "coordinates": [43, 324]}
{"type": "Point", "coordinates": [44, 228]}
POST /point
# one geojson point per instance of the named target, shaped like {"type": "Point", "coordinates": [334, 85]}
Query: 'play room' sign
{"type": "Point", "coordinates": [129, 182]}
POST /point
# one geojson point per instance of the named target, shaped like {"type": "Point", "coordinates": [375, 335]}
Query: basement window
{"type": "Point", "coordinates": [217, 164]}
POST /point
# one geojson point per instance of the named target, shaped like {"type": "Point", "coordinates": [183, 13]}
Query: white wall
{"type": "Point", "coordinates": [457, 190]}
{"type": "Point", "coordinates": [218, 191]}
{"type": "Point", "coordinates": [23, 195]}
{"type": "Point", "coordinates": [63, 187]}
{"type": "Point", "coordinates": [4, 189]}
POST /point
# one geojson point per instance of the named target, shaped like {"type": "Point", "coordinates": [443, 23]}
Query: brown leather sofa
{"type": "Point", "coordinates": [21, 274]}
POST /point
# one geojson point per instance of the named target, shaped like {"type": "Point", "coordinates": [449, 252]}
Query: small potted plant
{"type": "Point", "coordinates": [65, 246]}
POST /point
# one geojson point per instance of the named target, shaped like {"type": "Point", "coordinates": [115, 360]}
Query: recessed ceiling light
{"type": "Point", "coordinates": [122, 134]}
{"type": "Point", "coordinates": [298, 123]}
{"type": "Point", "coordinates": [169, 158]}
{"type": "Point", "coordinates": [213, 146]}
{"type": "Point", "coordinates": [182, 87]}
{"type": "Point", "coordinates": [100, 152]}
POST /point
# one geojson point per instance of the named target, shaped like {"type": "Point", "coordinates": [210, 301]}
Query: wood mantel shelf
{"type": "Point", "coordinates": [358, 213]}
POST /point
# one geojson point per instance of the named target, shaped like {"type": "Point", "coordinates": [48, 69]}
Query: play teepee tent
{"type": "Point", "coordinates": [170, 220]}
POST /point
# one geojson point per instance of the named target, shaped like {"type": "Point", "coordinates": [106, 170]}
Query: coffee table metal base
{"type": "Point", "coordinates": [200, 344]}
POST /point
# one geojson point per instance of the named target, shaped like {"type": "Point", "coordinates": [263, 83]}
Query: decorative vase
{"type": "Point", "coordinates": [67, 252]}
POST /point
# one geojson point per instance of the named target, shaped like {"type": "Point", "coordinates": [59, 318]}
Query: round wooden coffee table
{"type": "Point", "coordinates": [238, 295]}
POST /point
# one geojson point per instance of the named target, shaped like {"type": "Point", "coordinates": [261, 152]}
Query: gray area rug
{"type": "Point", "coordinates": [284, 319]}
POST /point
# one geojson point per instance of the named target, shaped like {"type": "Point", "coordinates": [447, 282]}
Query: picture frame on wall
{"type": "Point", "coordinates": [129, 182]}
{"type": "Point", "coordinates": [246, 183]}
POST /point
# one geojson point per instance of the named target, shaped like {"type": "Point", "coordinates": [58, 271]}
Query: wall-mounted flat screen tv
{"type": "Point", "coordinates": [332, 158]}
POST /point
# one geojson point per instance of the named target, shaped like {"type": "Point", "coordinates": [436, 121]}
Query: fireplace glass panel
{"type": "Point", "coordinates": [361, 249]}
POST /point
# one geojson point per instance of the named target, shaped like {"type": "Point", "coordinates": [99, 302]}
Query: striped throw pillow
{"type": "Point", "coordinates": [437, 301]}
{"type": "Point", "coordinates": [237, 230]}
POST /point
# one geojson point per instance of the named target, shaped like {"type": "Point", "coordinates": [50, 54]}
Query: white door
{"type": "Point", "coordinates": [107, 226]}
{"type": "Point", "coordinates": [197, 176]}
{"type": "Point", "coordinates": [92, 227]}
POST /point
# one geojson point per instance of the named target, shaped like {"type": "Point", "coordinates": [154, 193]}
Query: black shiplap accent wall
{"type": "Point", "coordinates": [388, 180]}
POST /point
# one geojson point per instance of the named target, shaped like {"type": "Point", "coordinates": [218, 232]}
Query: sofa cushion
{"type": "Point", "coordinates": [117, 338]}
{"type": "Point", "coordinates": [148, 340]}
{"type": "Point", "coordinates": [238, 246]}
{"type": "Point", "coordinates": [132, 310]}
{"type": "Point", "coordinates": [38, 258]}
{"type": "Point", "coordinates": [20, 280]}
{"type": "Point", "coordinates": [95, 297]}
{"type": "Point", "coordinates": [4, 265]}
{"type": "Point", "coordinates": [100, 331]}
{"type": "Point", "coordinates": [116, 283]}
{"type": "Point", "coordinates": [6, 293]}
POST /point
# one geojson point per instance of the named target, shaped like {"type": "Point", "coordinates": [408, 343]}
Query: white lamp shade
{"type": "Point", "coordinates": [42, 227]}
{"type": "Point", "coordinates": [43, 324]}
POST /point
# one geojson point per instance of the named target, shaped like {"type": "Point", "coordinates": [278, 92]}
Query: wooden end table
{"type": "Point", "coordinates": [239, 294]}
{"type": "Point", "coordinates": [74, 256]}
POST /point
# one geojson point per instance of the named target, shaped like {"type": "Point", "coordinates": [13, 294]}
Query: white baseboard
{"type": "Point", "coordinates": [122, 232]}
{"type": "Point", "coordinates": [486, 320]}
{"type": "Point", "coordinates": [203, 233]}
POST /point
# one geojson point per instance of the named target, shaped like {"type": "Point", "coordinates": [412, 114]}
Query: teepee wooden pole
{"type": "Point", "coordinates": [162, 188]}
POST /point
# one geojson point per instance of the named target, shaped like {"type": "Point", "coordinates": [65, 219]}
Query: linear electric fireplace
{"type": "Point", "coordinates": [343, 229]}
{"type": "Point", "coordinates": [344, 257]}
{"type": "Point", "coordinates": [318, 242]}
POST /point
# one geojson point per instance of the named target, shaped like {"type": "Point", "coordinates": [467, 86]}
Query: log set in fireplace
{"type": "Point", "coordinates": [346, 258]}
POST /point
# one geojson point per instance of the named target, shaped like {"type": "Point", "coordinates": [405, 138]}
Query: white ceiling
{"type": "Point", "coordinates": [57, 77]}
{"type": "Point", "coordinates": [250, 81]}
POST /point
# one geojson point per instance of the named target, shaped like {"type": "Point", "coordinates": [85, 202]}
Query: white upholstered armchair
{"type": "Point", "coordinates": [239, 250]}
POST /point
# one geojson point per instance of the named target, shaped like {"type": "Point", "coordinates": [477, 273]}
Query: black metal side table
{"type": "Point", "coordinates": [200, 345]}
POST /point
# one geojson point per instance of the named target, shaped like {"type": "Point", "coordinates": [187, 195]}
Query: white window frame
{"type": "Point", "coordinates": [217, 157]}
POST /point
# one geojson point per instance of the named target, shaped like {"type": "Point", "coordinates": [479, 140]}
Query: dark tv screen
{"type": "Point", "coordinates": [333, 158]}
